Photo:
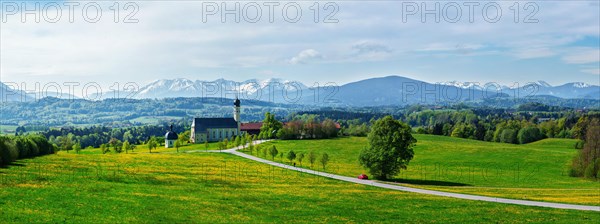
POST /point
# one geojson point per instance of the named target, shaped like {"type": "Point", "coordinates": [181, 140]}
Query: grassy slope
{"type": "Point", "coordinates": [185, 188]}
{"type": "Point", "coordinates": [536, 171]}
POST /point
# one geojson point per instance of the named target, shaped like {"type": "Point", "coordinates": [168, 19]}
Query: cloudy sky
{"type": "Point", "coordinates": [555, 41]}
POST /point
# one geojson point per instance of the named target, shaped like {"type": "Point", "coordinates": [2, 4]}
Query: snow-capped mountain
{"type": "Point", "coordinates": [568, 90]}
{"type": "Point", "coordinates": [462, 85]}
{"type": "Point", "coordinates": [541, 83]}
{"type": "Point", "coordinates": [253, 88]}
{"type": "Point", "coordinates": [375, 91]}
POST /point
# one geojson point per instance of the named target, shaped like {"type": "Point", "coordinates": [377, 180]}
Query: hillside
{"type": "Point", "coordinates": [535, 171]}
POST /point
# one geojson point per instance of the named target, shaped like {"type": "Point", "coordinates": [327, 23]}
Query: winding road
{"type": "Point", "coordinates": [406, 189]}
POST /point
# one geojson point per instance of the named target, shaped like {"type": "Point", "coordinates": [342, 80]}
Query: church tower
{"type": "Point", "coordinates": [236, 113]}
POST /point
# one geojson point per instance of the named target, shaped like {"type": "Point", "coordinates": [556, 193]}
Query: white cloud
{"type": "Point", "coordinates": [582, 56]}
{"type": "Point", "coordinates": [593, 71]}
{"type": "Point", "coordinates": [306, 56]}
{"type": "Point", "coordinates": [366, 46]}
{"type": "Point", "coordinates": [534, 53]}
{"type": "Point", "coordinates": [369, 50]}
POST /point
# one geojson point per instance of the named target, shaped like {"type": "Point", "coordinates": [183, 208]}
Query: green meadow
{"type": "Point", "coordinates": [159, 149]}
{"type": "Point", "coordinates": [215, 188]}
{"type": "Point", "coordinates": [535, 171]}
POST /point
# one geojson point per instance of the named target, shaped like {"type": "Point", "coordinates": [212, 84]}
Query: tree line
{"type": "Point", "coordinates": [304, 126]}
{"type": "Point", "coordinates": [291, 156]}
{"type": "Point", "coordinates": [21, 147]}
{"type": "Point", "coordinates": [587, 161]}
{"type": "Point", "coordinates": [506, 127]}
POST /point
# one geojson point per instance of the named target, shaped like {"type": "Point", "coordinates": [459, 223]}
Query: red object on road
{"type": "Point", "coordinates": [363, 177]}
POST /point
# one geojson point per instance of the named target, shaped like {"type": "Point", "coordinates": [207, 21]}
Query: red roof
{"type": "Point", "coordinates": [257, 125]}
{"type": "Point", "coordinates": [250, 126]}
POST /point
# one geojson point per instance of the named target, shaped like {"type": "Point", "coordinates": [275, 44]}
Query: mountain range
{"type": "Point", "coordinates": [390, 90]}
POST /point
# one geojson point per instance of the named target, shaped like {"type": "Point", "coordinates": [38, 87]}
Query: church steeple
{"type": "Point", "coordinates": [236, 110]}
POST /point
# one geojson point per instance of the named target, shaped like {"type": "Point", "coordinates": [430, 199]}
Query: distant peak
{"type": "Point", "coordinates": [580, 85]}
{"type": "Point", "coordinates": [543, 83]}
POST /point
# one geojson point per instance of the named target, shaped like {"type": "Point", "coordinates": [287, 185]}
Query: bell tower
{"type": "Point", "coordinates": [236, 113]}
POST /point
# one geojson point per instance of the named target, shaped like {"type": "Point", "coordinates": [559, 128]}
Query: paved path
{"type": "Point", "coordinates": [409, 189]}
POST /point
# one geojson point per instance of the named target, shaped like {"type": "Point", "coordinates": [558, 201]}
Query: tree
{"type": "Point", "coordinates": [206, 145]}
{"type": "Point", "coordinates": [103, 149]}
{"type": "Point", "coordinates": [127, 137]}
{"type": "Point", "coordinates": [324, 160]}
{"type": "Point", "coordinates": [300, 158]}
{"type": "Point", "coordinates": [116, 144]}
{"type": "Point", "coordinates": [389, 149]}
{"type": "Point", "coordinates": [291, 155]}
{"type": "Point", "coordinates": [244, 141]}
{"type": "Point", "coordinates": [178, 144]}
{"type": "Point", "coordinates": [273, 152]}
{"type": "Point", "coordinates": [270, 126]}
{"type": "Point", "coordinates": [126, 146]}
{"type": "Point", "coordinates": [237, 142]}
{"type": "Point", "coordinates": [579, 129]}
{"type": "Point", "coordinates": [152, 144]}
{"type": "Point", "coordinates": [508, 136]}
{"type": "Point", "coordinates": [67, 142]}
{"type": "Point", "coordinates": [312, 158]}
{"type": "Point", "coordinates": [184, 137]}
{"type": "Point", "coordinates": [77, 148]}
{"type": "Point", "coordinates": [529, 134]}
{"type": "Point", "coordinates": [263, 151]}
{"type": "Point", "coordinates": [251, 147]}
{"type": "Point", "coordinates": [225, 143]}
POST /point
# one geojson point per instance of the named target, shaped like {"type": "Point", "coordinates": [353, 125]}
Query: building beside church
{"type": "Point", "coordinates": [217, 129]}
{"type": "Point", "coordinates": [251, 128]}
{"type": "Point", "coordinates": [170, 138]}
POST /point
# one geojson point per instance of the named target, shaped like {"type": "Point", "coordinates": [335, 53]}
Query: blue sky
{"type": "Point", "coordinates": [370, 39]}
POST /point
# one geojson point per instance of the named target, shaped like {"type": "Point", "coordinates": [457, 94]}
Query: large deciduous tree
{"type": "Point", "coordinates": [389, 149]}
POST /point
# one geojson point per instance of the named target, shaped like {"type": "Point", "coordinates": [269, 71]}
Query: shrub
{"type": "Point", "coordinates": [529, 134]}
{"type": "Point", "coordinates": [579, 144]}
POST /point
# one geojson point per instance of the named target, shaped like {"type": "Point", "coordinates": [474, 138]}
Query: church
{"type": "Point", "coordinates": [217, 129]}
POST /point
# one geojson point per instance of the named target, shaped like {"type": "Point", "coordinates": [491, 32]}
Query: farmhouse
{"type": "Point", "coordinates": [217, 129]}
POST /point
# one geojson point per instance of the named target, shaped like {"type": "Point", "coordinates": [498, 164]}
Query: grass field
{"type": "Point", "coordinates": [536, 171]}
{"type": "Point", "coordinates": [215, 188]}
{"type": "Point", "coordinates": [159, 149]}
